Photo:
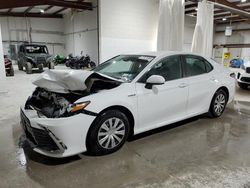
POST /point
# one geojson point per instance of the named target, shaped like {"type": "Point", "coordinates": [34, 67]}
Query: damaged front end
{"type": "Point", "coordinates": [52, 116]}
{"type": "Point", "coordinates": [53, 98]}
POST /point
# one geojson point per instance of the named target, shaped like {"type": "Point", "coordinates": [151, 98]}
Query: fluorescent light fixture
{"type": "Point", "coordinates": [243, 1]}
{"type": "Point", "coordinates": [224, 19]}
{"type": "Point", "coordinates": [42, 11]}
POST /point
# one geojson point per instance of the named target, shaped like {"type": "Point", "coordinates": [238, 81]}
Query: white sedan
{"type": "Point", "coordinates": [71, 112]}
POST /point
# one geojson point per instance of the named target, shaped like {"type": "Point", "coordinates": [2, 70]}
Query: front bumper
{"type": "Point", "coordinates": [243, 77]}
{"type": "Point", "coordinates": [56, 137]}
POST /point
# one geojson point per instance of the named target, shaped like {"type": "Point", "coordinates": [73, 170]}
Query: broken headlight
{"type": "Point", "coordinates": [77, 107]}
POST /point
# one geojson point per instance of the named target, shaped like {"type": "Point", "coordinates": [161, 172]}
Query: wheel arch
{"type": "Point", "coordinates": [225, 89]}
{"type": "Point", "coordinates": [127, 112]}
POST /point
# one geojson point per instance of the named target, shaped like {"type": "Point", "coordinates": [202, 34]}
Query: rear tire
{"type": "Point", "coordinates": [11, 71]}
{"type": "Point", "coordinates": [20, 66]}
{"type": "Point", "coordinates": [243, 86]}
{"type": "Point", "coordinates": [218, 104]}
{"type": "Point", "coordinates": [108, 133]}
{"type": "Point", "coordinates": [28, 68]}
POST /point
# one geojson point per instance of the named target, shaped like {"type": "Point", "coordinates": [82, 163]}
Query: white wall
{"type": "Point", "coordinates": [80, 31]}
{"type": "Point", "coordinates": [44, 30]}
{"type": "Point", "coordinates": [131, 26]}
{"type": "Point", "coordinates": [127, 26]}
{"type": "Point", "coordinates": [189, 27]}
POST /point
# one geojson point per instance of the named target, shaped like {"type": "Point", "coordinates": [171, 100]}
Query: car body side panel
{"type": "Point", "coordinates": [161, 104]}
{"type": "Point", "coordinates": [201, 90]}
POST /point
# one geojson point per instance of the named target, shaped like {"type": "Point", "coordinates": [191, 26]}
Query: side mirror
{"type": "Point", "coordinates": [154, 80]}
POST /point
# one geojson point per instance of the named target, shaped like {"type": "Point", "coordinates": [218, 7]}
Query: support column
{"type": "Point", "coordinates": [2, 67]}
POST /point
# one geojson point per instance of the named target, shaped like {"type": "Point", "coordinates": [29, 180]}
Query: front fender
{"type": "Point", "coordinates": [123, 95]}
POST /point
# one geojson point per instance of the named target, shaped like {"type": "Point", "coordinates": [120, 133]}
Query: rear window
{"type": "Point", "coordinates": [36, 49]}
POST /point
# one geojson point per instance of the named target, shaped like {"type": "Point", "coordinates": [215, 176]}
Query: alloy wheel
{"type": "Point", "coordinates": [111, 133]}
{"type": "Point", "coordinates": [219, 104]}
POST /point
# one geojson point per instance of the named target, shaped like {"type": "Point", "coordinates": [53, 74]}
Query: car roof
{"type": "Point", "coordinates": [163, 53]}
{"type": "Point", "coordinates": [33, 45]}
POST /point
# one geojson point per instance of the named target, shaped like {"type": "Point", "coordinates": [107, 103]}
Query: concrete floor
{"type": "Point", "coordinates": [199, 152]}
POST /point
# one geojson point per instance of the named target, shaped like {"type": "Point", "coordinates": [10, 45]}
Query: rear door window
{"type": "Point", "coordinates": [196, 65]}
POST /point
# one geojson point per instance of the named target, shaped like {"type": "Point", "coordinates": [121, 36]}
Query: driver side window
{"type": "Point", "coordinates": [169, 68]}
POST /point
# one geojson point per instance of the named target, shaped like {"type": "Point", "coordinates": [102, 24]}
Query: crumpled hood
{"type": "Point", "coordinates": [63, 81]}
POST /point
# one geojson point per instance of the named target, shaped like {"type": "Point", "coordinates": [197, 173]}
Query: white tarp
{"type": "Point", "coordinates": [63, 81]}
{"type": "Point", "coordinates": [203, 34]}
{"type": "Point", "coordinates": [171, 25]}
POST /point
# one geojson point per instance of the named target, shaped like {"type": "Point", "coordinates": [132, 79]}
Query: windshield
{"type": "Point", "coordinates": [124, 67]}
{"type": "Point", "coordinates": [36, 49]}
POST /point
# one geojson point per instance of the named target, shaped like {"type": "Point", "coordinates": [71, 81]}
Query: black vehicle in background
{"type": "Point", "coordinates": [79, 62]}
{"type": "Point", "coordinates": [8, 66]}
{"type": "Point", "coordinates": [70, 60]}
{"type": "Point", "coordinates": [32, 56]}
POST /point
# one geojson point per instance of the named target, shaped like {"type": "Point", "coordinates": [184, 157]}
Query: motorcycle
{"type": "Point", "coordinates": [79, 62]}
{"type": "Point", "coordinates": [59, 59]}
{"type": "Point", "coordinates": [69, 60]}
{"type": "Point", "coordinates": [84, 62]}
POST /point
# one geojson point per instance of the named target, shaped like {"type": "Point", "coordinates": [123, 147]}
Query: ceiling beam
{"type": "Point", "coordinates": [232, 7]}
{"type": "Point", "coordinates": [16, 3]}
{"type": "Point", "coordinates": [232, 21]}
{"type": "Point", "coordinates": [68, 4]}
{"type": "Point", "coordinates": [234, 30]}
{"type": "Point", "coordinates": [191, 6]}
{"type": "Point", "coordinates": [247, 45]}
{"type": "Point", "coordinates": [223, 15]}
{"type": "Point", "coordinates": [60, 10]}
{"type": "Point", "coordinates": [35, 15]}
{"type": "Point", "coordinates": [71, 4]}
{"type": "Point", "coordinates": [28, 9]}
{"type": "Point", "coordinates": [49, 7]}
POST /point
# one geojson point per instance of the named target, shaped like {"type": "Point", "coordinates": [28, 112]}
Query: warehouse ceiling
{"type": "Point", "coordinates": [225, 11]}
{"type": "Point", "coordinates": [41, 8]}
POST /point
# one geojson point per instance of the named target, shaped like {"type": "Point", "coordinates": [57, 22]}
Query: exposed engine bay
{"type": "Point", "coordinates": [53, 104]}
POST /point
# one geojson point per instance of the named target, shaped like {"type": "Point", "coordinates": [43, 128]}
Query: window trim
{"type": "Point", "coordinates": [197, 57]}
{"type": "Point", "coordinates": [182, 72]}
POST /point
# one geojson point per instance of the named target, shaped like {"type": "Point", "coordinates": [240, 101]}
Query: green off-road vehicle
{"type": "Point", "coordinates": [34, 56]}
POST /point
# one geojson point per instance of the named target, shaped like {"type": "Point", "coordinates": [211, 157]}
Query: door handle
{"type": "Point", "coordinates": [183, 85]}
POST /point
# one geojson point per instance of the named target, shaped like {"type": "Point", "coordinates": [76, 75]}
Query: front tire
{"type": "Point", "coordinates": [218, 104]}
{"type": "Point", "coordinates": [40, 67]}
{"type": "Point", "coordinates": [108, 133]}
{"type": "Point", "coordinates": [51, 65]}
{"type": "Point", "coordinates": [28, 68]}
{"type": "Point", "coordinates": [20, 66]}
